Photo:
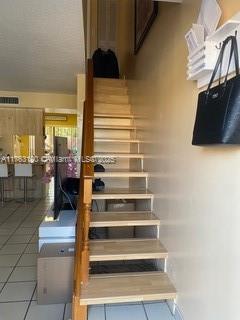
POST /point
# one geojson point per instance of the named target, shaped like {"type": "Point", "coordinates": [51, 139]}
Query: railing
{"type": "Point", "coordinates": [81, 265]}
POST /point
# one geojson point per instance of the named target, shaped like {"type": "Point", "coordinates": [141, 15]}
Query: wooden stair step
{"type": "Point", "coordinates": [122, 193]}
{"type": "Point", "coordinates": [119, 155]}
{"type": "Point", "coordinates": [123, 219]}
{"type": "Point", "coordinates": [113, 108]}
{"type": "Point", "coordinates": [123, 288]}
{"type": "Point", "coordinates": [121, 173]}
{"type": "Point", "coordinates": [111, 98]}
{"type": "Point", "coordinates": [100, 88]}
{"type": "Point", "coordinates": [112, 115]}
{"type": "Point", "coordinates": [117, 140]}
{"type": "Point", "coordinates": [127, 249]}
{"type": "Point", "coordinates": [110, 82]}
{"type": "Point", "coordinates": [113, 127]}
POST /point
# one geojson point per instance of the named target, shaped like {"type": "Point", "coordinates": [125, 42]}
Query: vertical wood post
{"type": "Point", "coordinates": [81, 263]}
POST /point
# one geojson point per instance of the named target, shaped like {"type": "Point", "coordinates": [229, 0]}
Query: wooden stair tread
{"type": "Point", "coordinates": [122, 193]}
{"type": "Point", "coordinates": [102, 87]}
{"type": "Point", "coordinates": [130, 249]}
{"type": "Point", "coordinates": [121, 219]}
{"type": "Point", "coordinates": [111, 98]}
{"type": "Point", "coordinates": [115, 105]}
{"type": "Point", "coordinates": [112, 115]}
{"type": "Point", "coordinates": [121, 173]}
{"type": "Point", "coordinates": [120, 288]}
{"type": "Point", "coordinates": [117, 140]}
{"type": "Point", "coordinates": [119, 155]}
{"type": "Point", "coordinates": [110, 82]}
{"type": "Point", "coordinates": [113, 127]}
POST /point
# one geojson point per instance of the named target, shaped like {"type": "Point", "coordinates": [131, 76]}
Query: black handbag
{"type": "Point", "coordinates": [218, 111]}
{"type": "Point", "coordinates": [98, 185]}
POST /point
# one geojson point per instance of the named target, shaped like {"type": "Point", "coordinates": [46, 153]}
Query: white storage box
{"type": "Point", "coordinates": [55, 273]}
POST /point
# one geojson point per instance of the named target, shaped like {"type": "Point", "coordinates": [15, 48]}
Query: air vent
{"type": "Point", "coordinates": [9, 100]}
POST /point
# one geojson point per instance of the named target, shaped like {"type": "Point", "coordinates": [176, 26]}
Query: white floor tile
{"type": "Point", "coordinates": [156, 311]}
{"type": "Point", "coordinates": [94, 312]}
{"type": "Point", "coordinates": [128, 312]}
{"type": "Point", "coordinates": [6, 231]}
{"type": "Point", "coordinates": [32, 248]}
{"type": "Point", "coordinates": [13, 311]}
{"type": "Point", "coordinates": [19, 239]}
{"type": "Point", "coordinates": [34, 239]}
{"type": "Point", "coordinates": [23, 231]}
{"type": "Point", "coordinates": [30, 224]}
{"type": "Point", "coordinates": [97, 313]}
{"type": "Point", "coordinates": [5, 273]}
{"type": "Point", "coordinates": [20, 291]}
{"type": "Point", "coordinates": [13, 249]}
{"type": "Point", "coordinates": [34, 298]}
{"type": "Point", "coordinates": [27, 259]}
{"type": "Point", "coordinates": [9, 260]}
{"type": "Point", "coordinates": [24, 274]}
{"type": "Point", "coordinates": [3, 239]}
{"type": "Point", "coordinates": [48, 312]}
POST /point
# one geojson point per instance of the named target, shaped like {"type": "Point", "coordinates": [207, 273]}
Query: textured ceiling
{"type": "Point", "coordinates": [41, 44]}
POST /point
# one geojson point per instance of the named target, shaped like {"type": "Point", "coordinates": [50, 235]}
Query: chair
{"type": "Point", "coordinates": [3, 175]}
{"type": "Point", "coordinates": [24, 171]}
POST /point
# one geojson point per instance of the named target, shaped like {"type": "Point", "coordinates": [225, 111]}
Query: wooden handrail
{"type": "Point", "coordinates": [81, 263]}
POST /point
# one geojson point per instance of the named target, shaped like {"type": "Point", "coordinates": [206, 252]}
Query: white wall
{"type": "Point", "coordinates": [197, 189]}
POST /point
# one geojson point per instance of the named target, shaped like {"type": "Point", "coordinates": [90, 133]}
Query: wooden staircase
{"type": "Point", "coordinates": [115, 137]}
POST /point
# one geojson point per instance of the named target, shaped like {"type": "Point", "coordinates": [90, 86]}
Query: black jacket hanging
{"type": "Point", "coordinates": [105, 64]}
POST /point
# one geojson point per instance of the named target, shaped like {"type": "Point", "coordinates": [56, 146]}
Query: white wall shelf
{"type": "Point", "coordinates": [201, 62]}
{"type": "Point", "coordinates": [226, 29]}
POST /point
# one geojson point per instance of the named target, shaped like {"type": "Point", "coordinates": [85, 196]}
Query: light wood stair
{"type": "Point", "coordinates": [111, 90]}
{"type": "Point", "coordinates": [111, 127]}
{"type": "Point", "coordinates": [120, 288]}
{"type": "Point", "coordinates": [121, 193]}
{"type": "Point", "coordinates": [114, 125]}
{"type": "Point", "coordinates": [118, 83]}
{"type": "Point", "coordinates": [104, 140]}
{"type": "Point", "coordinates": [121, 173]}
{"type": "Point", "coordinates": [124, 219]}
{"type": "Point", "coordinates": [110, 115]}
{"type": "Point", "coordinates": [127, 249]}
{"type": "Point", "coordinates": [111, 98]}
{"type": "Point", "coordinates": [104, 107]}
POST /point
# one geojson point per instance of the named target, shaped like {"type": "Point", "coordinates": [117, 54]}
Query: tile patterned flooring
{"type": "Point", "coordinates": [18, 280]}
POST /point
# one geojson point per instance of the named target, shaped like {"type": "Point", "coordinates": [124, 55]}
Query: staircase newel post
{"type": "Point", "coordinates": [85, 252]}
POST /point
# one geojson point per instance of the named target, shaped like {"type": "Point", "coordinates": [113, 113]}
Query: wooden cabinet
{"type": "Point", "coordinates": [21, 121]}
{"type": "Point", "coordinates": [29, 122]}
{"type": "Point", "coordinates": [7, 121]}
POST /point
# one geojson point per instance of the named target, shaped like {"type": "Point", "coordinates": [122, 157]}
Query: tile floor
{"type": "Point", "coordinates": [18, 256]}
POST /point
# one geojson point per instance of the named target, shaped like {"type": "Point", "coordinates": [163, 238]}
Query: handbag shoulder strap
{"type": "Point", "coordinates": [234, 51]}
{"type": "Point", "coordinates": [218, 66]}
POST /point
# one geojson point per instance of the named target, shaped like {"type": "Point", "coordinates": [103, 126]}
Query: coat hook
{"type": "Point", "coordinates": [219, 46]}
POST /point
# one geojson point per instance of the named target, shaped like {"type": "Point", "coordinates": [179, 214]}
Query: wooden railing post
{"type": "Point", "coordinates": [81, 263]}
{"type": "Point", "coordinates": [87, 206]}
